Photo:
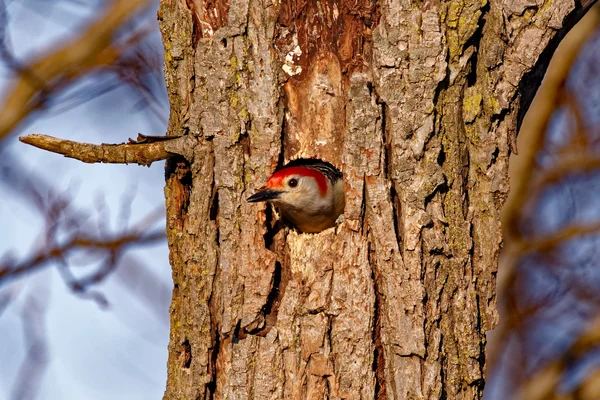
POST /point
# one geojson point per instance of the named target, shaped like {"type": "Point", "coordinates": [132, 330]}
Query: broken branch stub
{"type": "Point", "coordinates": [125, 153]}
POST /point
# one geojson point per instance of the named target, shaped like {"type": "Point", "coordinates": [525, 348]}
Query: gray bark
{"type": "Point", "coordinates": [417, 103]}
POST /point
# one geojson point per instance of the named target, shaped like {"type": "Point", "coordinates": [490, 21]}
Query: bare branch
{"type": "Point", "coordinates": [143, 153]}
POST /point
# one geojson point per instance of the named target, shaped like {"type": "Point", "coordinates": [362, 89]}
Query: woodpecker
{"type": "Point", "coordinates": [309, 193]}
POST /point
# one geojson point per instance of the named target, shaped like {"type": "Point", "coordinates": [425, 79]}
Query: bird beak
{"type": "Point", "coordinates": [264, 194]}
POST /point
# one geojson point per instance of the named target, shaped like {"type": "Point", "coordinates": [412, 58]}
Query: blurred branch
{"type": "Point", "coordinates": [531, 241]}
{"type": "Point", "coordinates": [544, 384]}
{"type": "Point", "coordinates": [66, 236]}
{"type": "Point", "coordinates": [88, 50]}
{"type": "Point", "coordinates": [33, 368]}
{"type": "Point", "coordinates": [582, 163]}
{"type": "Point", "coordinates": [590, 387]}
{"type": "Point", "coordinates": [532, 139]}
{"type": "Point", "coordinates": [547, 243]}
{"type": "Point", "coordinates": [144, 283]}
{"type": "Point", "coordinates": [112, 246]}
{"type": "Point", "coordinates": [143, 151]}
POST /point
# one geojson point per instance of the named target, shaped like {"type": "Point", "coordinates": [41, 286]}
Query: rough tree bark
{"type": "Point", "coordinates": [418, 103]}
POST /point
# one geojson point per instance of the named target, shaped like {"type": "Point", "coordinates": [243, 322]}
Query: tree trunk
{"type": "Point", "coordinates": [418, 104]}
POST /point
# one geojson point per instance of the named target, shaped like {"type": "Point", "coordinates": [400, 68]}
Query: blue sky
{"type": "Point", "coordinates": [121, 352]}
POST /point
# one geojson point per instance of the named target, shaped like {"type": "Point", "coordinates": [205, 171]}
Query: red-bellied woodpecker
{"type": "Point", "coordinates": [309, 193]}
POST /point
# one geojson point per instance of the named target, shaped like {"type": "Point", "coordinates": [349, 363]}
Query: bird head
{"type": "Point", "coordinates": [308, 192]}
{"type": "Point", "coordinates": [295, 186]}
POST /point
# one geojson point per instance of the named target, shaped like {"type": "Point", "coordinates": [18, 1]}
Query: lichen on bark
{"type": "Point", "coordinates": [417, 103]}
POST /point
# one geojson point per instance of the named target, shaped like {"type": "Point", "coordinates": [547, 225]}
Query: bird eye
{"type": "Point", "coordinates": [293, 182]}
